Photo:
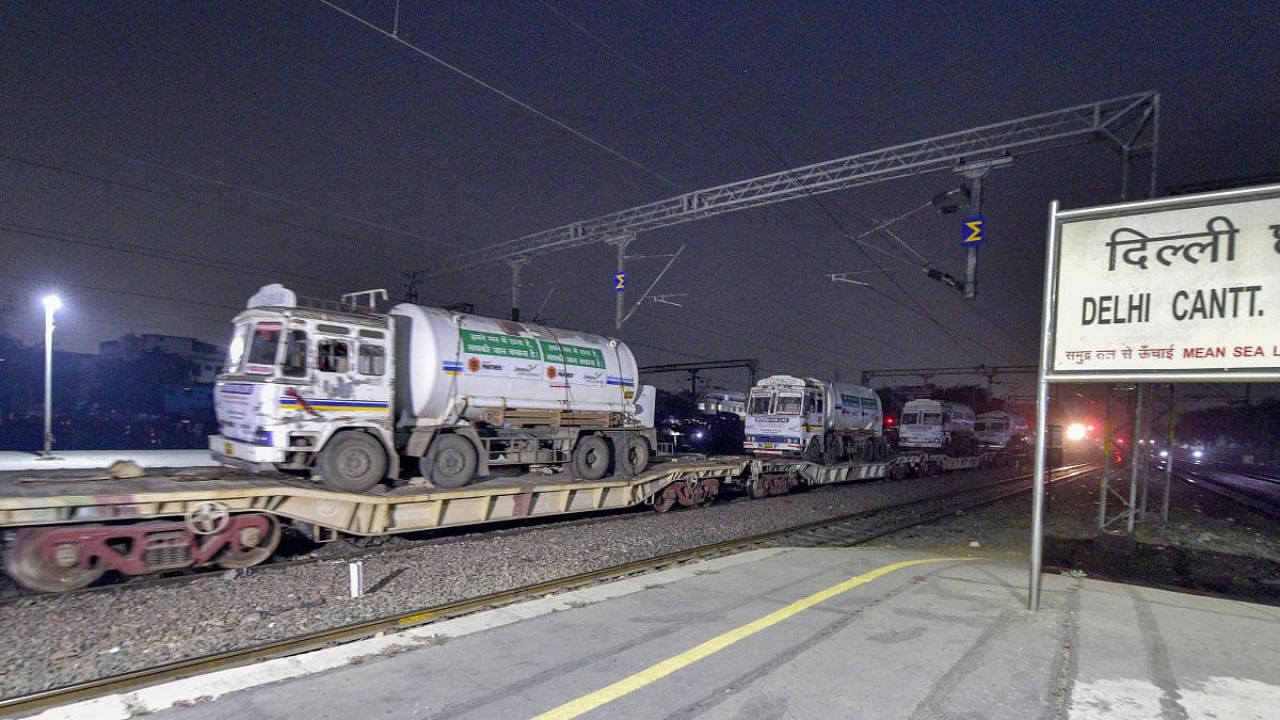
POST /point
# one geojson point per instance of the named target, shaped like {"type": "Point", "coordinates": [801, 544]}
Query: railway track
{"type": "Point", "coordinates": [841, 531]}
{"type": "Point", "coordinates": [1263, 502]}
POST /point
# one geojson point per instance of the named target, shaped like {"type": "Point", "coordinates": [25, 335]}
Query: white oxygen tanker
{"type": "Point", "coordinates": [814, 420]}
{"type": "Point", "coordinates": [351, 395]}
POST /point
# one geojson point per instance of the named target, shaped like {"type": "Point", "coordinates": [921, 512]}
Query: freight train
{"type": "Point", "coordinates": [343, 403]}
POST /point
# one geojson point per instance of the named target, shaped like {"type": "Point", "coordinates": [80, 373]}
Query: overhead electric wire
{"type": "Point", "coordinates": [178, 196]}
{"type": "Point", "coordinates": [453, 68]}
{"type": "Point", "coordinates": [143, 251]}
{"type": "Point", "coordinates": [133, 293]}
{"type": "Point", "coordinates": [268, 196]}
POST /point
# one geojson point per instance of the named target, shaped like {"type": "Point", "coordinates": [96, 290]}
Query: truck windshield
{"type": "Point", "coordinates": [933, 418]}
{"type": "Point", "coordinates": [759, 405]}
{"type": "Point", "coordinates": [787, 405]}
{"type": "Point", "coordinates": [262, 348]}
{"type": "Point", "coordinates": [235, 352]}
{"type": "Point", "coordinates": [910, 418]}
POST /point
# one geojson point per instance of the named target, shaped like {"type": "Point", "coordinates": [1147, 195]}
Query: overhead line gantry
{"type": "Point", "coordinates": [1129, 123]}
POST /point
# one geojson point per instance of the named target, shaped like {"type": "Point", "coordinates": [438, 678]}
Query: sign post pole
{"type": "Point", "coordinates": [1042, 413]}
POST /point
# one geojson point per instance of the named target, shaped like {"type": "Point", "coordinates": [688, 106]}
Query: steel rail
{"type": "Point", "coordinates": [181, 669]}
{"type": "Point", "coordinates": [1259, 502]}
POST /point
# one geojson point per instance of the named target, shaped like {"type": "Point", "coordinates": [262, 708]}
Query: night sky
{"type": "Point", "coordinates": [161, 161]}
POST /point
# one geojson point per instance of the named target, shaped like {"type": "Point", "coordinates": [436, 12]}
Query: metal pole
{"type": "Point", "coordinates": [1168, 462]}
{"type": "Point", "coordinates": [48, 377]}
{"type": "Point", "coordinates": [621, 305]}
{"type": "Point", "coordinates": [1124, 176]}
{"type": "Point", "coordinates": [1134, 455]}
{"type": "Point", "coordinates": [1042, 414]}
{"type": "Point", "coordinates": [1106, 464]}
{"type": "Point", "coordinates": [971, 262]}
{"type": "Point", "coordinates": [1145, 468]}
{"type": "Point", "coordinates": [1155, 143]}
{"type": "Point", "coordinates": [516, 264]}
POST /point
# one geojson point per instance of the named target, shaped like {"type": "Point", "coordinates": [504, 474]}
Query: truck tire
{"type": "Point", "coordinates": [633, 455]}
{"type": "Point", "coordinates": [452, 461]}
{"type": "Point", "coordinates": [813, 451]}
{"type": "Point", "coordinates": [352, 462]}
{"type": "Point", "coordinates": [591, 457]}
{"type": "Point", "coordinates": [833, 451]}
{"type": "Point", "coordinates": [882, 449]}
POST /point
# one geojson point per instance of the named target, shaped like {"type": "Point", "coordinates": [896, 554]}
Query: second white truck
{"type": "Point", "coordinates": [814, 420]}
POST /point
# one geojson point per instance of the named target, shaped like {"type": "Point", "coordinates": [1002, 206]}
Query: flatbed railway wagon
{"type": "Point", "coordinates": [65, 533]}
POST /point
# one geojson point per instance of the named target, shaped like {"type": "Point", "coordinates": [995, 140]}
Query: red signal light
{"type": "Point", "coordinates": [888, 421]}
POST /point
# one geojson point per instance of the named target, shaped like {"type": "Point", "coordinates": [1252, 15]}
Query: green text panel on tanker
{"type": "Point", "coordinates": [572, 355]}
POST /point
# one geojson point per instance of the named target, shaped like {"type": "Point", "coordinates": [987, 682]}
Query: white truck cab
{"type": "Point", "coordinates": [296, 375]}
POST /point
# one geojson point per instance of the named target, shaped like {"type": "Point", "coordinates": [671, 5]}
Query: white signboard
{"type": "Point", "coordinates": [1168, 289]}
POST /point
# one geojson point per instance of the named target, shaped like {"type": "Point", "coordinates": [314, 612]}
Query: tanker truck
{"type": "Point", "coordinates": [353, 396]}
{"type": "Point", "coordinates": [936, 424]}
{"type": "Point", "coordinates": [1001, 430]}
{"type": "Point", "coordinates": [814, 420]}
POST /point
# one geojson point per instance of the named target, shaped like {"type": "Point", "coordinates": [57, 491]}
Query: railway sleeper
{"type": "Point", "coordinates": [59, 558]}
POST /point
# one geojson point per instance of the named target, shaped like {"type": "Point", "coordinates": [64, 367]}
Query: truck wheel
{"type": "Point", "coordinates": [834, 450]}
{"type": "Point", "coordinates": [453, 461]}
{"type": "Point", "coordinates": [634, 455]}
{"type": "Point", "coordinates": [813, 451]}
{"type": "Point", "coordinates": [591, 458]}
{"type": "Point", "coordinates": [352, 462]}
{"type": "Point", "coordinates": [882, 449]}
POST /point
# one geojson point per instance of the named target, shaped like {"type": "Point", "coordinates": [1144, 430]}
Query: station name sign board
{"type": "Point", "coordinates": [1178, 288]}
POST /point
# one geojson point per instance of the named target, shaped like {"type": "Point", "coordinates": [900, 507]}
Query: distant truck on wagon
{"type": "Point", "coordinates": [1001, 430]}
{"type": "Point", "coordinates": [937, 425]}
{"type": "Point", "coordinates": [353, 395]}
{"type": "Point", "coordinates": [814, 420]}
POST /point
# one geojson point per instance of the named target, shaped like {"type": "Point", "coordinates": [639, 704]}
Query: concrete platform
{"type": "Point", "coordinates": [11, 461]}
{"type": "Point", "coordinates": [783, 633]}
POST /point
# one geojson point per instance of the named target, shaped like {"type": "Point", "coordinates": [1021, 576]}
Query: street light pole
{"type": "Point", "coordinates": [51, 305]}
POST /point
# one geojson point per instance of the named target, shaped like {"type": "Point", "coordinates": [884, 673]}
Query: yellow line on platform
{"type": "Point", "coordinates": [653, 673]}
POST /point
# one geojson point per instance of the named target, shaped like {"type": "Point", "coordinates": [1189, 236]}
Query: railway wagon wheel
{"type": "Point", "coordinates": [56, 570]}
{"type": "Point", "coordinates": [591, 457]}
{"type": "Point", "coordinates": [251, 546]}
{"type": "Point", "coordinates": [666, 499]}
